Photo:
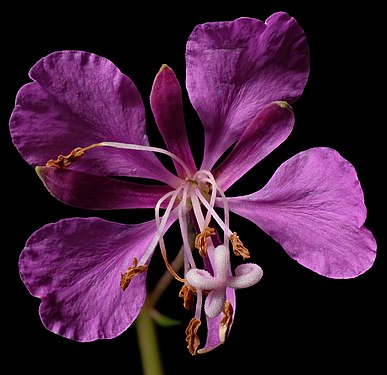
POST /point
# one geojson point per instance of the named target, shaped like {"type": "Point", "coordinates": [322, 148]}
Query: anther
{"type": "Point", "coordinates": [201, 240]}
{"type": "Point", "coordinates": [65, 161]}
{"type": "Point", "coordinates": [225, 322]}
{"type": "Point", "coordinates": [188, 297]}
{"type": "Point", "coordinates": [133, 271]}
{"type": "Point", "coordinates": [238, 247]}
{"type": "Point", "coordinates": [191, 335]}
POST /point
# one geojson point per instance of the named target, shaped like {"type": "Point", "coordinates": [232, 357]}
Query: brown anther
{"type": "Point", "coordinates": [238, 247]}
{"type": "Point", "coordinates": [191, 335]}
{"type": "Point", "coordinates": [201, 240]}
{"type": "Point", "coordinates": [65, 161]}
{"type": "Point", "coordinates": [133, 271]}
{"type": "Point", "coordinates": [188, 296]}
{"type": "Point", "coordinates": [225, 322]}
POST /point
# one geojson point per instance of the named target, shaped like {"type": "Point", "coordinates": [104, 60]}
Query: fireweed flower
{"type": "Point", "coordinates": [242, 77]}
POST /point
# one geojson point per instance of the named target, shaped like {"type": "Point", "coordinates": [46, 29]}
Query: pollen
{"type": "Point", "coordinates": [133, 271]}
{"type": "Point", "coordinates": [192, 337]}
{"type": "Point", "coordinates": [65, 161]}
{"type": "Point", "coordinates": [201, 240]}
{"type": "Point", "coordinates": [238, 247]}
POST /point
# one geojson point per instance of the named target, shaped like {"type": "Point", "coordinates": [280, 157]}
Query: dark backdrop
{"type": "Point", "coordinates": [293, 319]}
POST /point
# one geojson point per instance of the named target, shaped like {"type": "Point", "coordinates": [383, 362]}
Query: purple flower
{"type": "Point", "coordinates": [91, 273]}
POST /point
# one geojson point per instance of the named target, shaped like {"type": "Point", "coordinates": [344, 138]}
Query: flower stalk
{"type": "Point", "coordinates": [148, 343]}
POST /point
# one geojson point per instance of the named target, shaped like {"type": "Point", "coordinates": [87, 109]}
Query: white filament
{"type": "Point", "coordinates": [184, 232]}
{"type": "Point", "coordinates": [161, 225]}
{"type": "Point", "coordinates": [215, 189]}
{"type": "Point", "coordinates": [128, 146]}
{"type": "Point", "coordinates": [226, 229]}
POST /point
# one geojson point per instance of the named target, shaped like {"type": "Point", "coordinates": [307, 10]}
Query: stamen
{"type": "Point", "coordinates": [197, 211]}
{"type": "Point", "coordinates": [216, 188]}
{"type": "Point", "coordinates": [149, 149]}
{"type": "Point", "coordinates": [225, 322]}
{"type": "Point", "coordinates": [238, 247]}
{"type": "Point", "coordinates": [161, 240]}
{"type": "Point", "coordinates": [160, 227]}
{"type": "Point", "coordinates": [188, 297]}
{"type": "Point", "coordinates": [167, 264]}
{"type": "Point", "coordinates": [221, 223]}
{"type": "Point", "coordinates": [133, 271]}
{"type": "Point", "coordinates": [65, 161]}
{"type": "Point", "coordinates": [201, 240]}
{"type": "Point", "coordinates": [191, 335]}
{"type": "Point", "coordinates": [190, 263]}
{"type": "Point", "coordinates": [212, 202]}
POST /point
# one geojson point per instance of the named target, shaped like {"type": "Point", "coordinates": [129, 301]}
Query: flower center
{"type": "Point", "coordinates": [193, 199]}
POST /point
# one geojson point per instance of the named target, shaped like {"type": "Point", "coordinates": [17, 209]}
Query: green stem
{"type": "Point", "coordinates": [149, 348]}
{"type": "Point", "coordinates": [145, 325]}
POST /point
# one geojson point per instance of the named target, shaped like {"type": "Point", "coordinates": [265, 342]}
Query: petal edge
{"type": "Point", "coordinates": [314, 207]}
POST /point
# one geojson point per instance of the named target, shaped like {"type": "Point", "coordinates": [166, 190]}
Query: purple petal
{"type": "Point", "coordinates": [77, 99]}
{"type": "Point", "coordinates": [314, 207]}
{"type": "Point", "coordinates": [167, 107]}
{"type": "Point", "coordinates": [74, 266]}
{"type": "Point", "coordinates": [236, 68]}
{"type": "Point", "coordinates": [266, 132]}
{"type": "Point", "coordinates": [213, 325]}
{"type": "Point", "coordinates": [83, 190]}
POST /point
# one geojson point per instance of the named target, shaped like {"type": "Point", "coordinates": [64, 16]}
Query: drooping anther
{"type": "Point", "coordinates": [191, 335]}
{"type": "Point", "coordinates": [132, 271]}
{"type": "Point", "coordinates": [238, 247]}
{"type": "Point", "coordinates": [188, 297]}
{"type": "Point", "coordinates": [201, 240]}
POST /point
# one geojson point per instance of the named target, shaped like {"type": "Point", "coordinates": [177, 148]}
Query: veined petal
{"type": "Point", "coordinates": [84, 190]}
{"type": "Point", "coordinates": [214, 329]}
{"type": "Point", "coordinates": [314, 207]}
{"type": "Point", "coordinates": [236, 68]}
{"type": "Point", "coordinates": [74, 266]}
{"type": "Point", "coordinates": [77, 99]}
{"type": "Point", "coordinates": [266, 132]}
{"type": "Point", "coordinates": [167, 107]}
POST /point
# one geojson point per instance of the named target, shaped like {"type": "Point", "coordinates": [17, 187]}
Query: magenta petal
{"type": "Point", "coordinates": [167, 107]}
{"type": "Point", "coordinates": [236, 68]}
{"type": "Point", "coordinates": [77, 99]}
{"type": "Point", "coordinates": [213, 325]}
{"type": "Point", "coordinates": [266, 132]}
{"type": "Point", "coordinates": [83, 190]}
{"type": "Point", "coordinates": [74, 266]}
{"type": "Point", "coordinates": [314, 207]}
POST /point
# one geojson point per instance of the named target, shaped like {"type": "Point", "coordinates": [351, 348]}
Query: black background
{"type": "Point", "coordinates": [294, 319]}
